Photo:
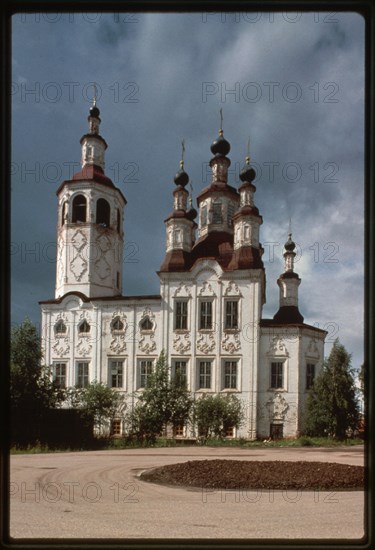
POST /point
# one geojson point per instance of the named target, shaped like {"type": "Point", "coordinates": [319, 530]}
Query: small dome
{"type": "Point", "coordinates": [220, 146]}
{"type": "Point", "coordinates": [247, 174]}
{"type": "Point", "coordinates": [191, 213]}
{"type": "Point", "coordinates": [290, 245]}
{"type": "Point", "coordinates": [181, 178]}
{"type": "Point", "coordinates": [94, 111]}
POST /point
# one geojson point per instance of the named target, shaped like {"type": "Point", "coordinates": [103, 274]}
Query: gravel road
{"type": "Point", "coordinates": [98, 495]}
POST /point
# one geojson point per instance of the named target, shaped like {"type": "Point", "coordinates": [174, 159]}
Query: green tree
{"type": "Point", "coordinates": [31, 390]}
{"type": "Point", "coordinates": [97, 402]}
{"type": "Point", "coordinates": [164, 401]}
{"type": "Point", "coordinates": [331, 406]}
{"type": "Point", "coordinates": [214, 414]}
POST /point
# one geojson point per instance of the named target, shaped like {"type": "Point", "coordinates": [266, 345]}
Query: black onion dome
{"type": "Point", "coordinates": [290, 245]}
{"type": "Point", "coordinates": [94, 111]}
{"type": "Point", "coordinates": [247, 174]}
{"type": "Point", "coordinates": [191, 213]}
{"type": "Point", "coordinates": [181, 178]}
{"type": "Point", "coordinates": [220, 146]}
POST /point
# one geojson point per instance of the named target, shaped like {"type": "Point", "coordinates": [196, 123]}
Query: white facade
{"type": "Point", "coordinates": [208, 316]}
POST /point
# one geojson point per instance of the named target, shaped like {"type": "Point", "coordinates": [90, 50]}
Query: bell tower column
{"type": "Point", "coordinates": [90, 234]}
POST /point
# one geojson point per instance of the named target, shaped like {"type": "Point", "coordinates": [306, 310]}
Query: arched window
{"type": "Point", "coordinates": [146, 324]}
{"type": "Point", "coordinates": [103, 212]}
{"type": "Point", "coordinates": [117, 324]}
{"type": "Point", "coordinates": [84, 327]}
{"type": "Point", "coordinates": [118, 221]}
{"type": "Point", "coordinates": [64, 212]}
{"type": "Point", "coordinates": [79, 209]}
{"type": "Point", "coordinates": [60, 327]}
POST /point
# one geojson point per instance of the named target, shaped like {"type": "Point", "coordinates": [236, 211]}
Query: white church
{"type": "Point", "coordinates": [208, 315]}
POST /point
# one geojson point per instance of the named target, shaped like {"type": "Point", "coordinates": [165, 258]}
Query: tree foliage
{"type": "Point", "coordinates": [215, 414]}
{"type": "Point", "coordinates": [331, 406]}
{"type": "Point", "coordinates": [164, 401]}
{"type": "Point", "coordinates": [97, 402]}
{"type": "Point", "coordinates": [31, 390]}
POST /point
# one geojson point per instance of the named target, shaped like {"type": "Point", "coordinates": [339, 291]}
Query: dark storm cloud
{"type": "Point", "coordinates": [164, 77]}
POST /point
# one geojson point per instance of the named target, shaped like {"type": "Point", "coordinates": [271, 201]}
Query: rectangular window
{"type": "Point", "coordinates": [145, 372]}
{"type": "Point", "coordinates": [231, 314]}
{"type": "Point", "coordinates": [181, 315]}
{"type": "Point", "coordinates": [180, 372]}
{"type": "Point", "coordinates": [217, 216]}
{"type": "Point", "coordinates": [231, 210]}
{"type": "Point", "coordinates": [178, 430]}
{"type": "Point", "coordinates": [277, 374]}
{"type": "Point", "coordinates": [59, 374]}
{"type": "Point", "coordinates": [205, 317]}
{"type": "Point", "coordinates": [204, 374]}
{"type": "Point", "coordinates": [204, 215]}
{"type": "Point", "coordinates": [310, 375]}
{"type": "Point", "coordinates": [229, 432]}
{"type": "Point", "coordinates": [230, 375]}
{"type": "Point", "coordinates": [83, 375]}
{"type": "Point", "coordinates": [116, 373]}
{"type": "Point", "coordinates": [116, 427]}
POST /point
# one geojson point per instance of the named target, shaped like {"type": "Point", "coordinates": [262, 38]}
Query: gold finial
{"type": "Point", "coordinates": [182, 153]}
{"type": "Point", "coordinates": [221, 132]}
{"type": "Point", "coordinates": [248, 152]}
{"type": "Point", "coordinates": [95, 95]}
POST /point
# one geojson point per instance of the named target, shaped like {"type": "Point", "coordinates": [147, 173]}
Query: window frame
{"type": "Point", "coordinates": [112, 362]}
{"type": "Point", "coordinates": [142, 376]}
{"type": "Point", "coordinates": [79, 209]}
{"type": "Point", "coordinates": [205, 315]}
{"type": "Point", "coordinates": [204, 375]}
{"type": "Point", "coordinates": [184, 376]}
{"type": "Point", "coordinates": [116, 432]}
{"type": "Point", "coordinates": [103, 212]}
{"type": "Point", "coordinates": [146, 318]}
{"type": "Point", "coordinates": [182, 316]}
{"type": "Point", "coordinates": [233, 363]}
{"type": "Point", "coordinates": [310, 378]}
{"type": "Point", "coordinates": [234, 326]}
{"type": "Point", "coordinates": [82, 324]}
{"type": "Point", "coordinates": [85, 376]}
{"type": "Point", "coordinates": [56, 377]}
{"type": "Point", "coordinates": [276, 376]}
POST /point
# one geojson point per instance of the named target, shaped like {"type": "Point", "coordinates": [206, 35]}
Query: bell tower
{"type": "Point", "coordinates": [90, 234]}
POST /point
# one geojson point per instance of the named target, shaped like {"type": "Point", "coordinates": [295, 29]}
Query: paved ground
{"type": "Point", "coordinates": [98, 495]}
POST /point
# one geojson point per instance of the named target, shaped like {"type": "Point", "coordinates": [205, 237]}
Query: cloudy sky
{"type": "Point", "coordinates": [293, 83]}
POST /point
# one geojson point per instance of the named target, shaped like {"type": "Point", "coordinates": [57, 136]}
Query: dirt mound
{"type": "Point", "coordinates": [240, 474]}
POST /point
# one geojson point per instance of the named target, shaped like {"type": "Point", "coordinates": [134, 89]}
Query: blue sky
{"type": "Point", "coordinates": [293, 83]}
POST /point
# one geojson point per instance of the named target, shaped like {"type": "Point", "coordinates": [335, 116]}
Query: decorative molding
{"type": "Point", "coordinates": [231, 342]}
{"type": "Point", "coordinates": [118, 343]}
{"type": "Point", "coordinates": [183, 291]}
{"type": "Point", "coordinates": [312, 349]}
{"type": "Point", "coordinates": [61, 346]}
{"type": "Point", "coordinates": [232, 289]}
{"type": "Point", "coordinates": [277, 347]}
{"type": "Point", "coordinates": [78, 266]}
{"type": "Point", "coordinates": [277, 407]}
{"type": "Point", "coordinates": [206, 290]}
{"type": "Point", "coordinates": [181, 343]}
{"type": "Point", "coordinates": [205, 342]}
{"type": "Point", "coordinates": [147, 344]}
{"type": "Point", "coordinates": [84, 346]}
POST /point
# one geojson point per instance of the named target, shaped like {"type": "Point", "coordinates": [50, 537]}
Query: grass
{"type": "Point", "coordinates": [108, 444]}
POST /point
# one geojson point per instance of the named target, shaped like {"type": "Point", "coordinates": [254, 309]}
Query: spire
{"type": "Point", "coordinates": [180, 225]}
{"type": "Point", "coordinates": [93, 145]}
{"type": "Point", "coordinates": [220, 146]}
{"type": "Point", "coordinates": [288, 283]}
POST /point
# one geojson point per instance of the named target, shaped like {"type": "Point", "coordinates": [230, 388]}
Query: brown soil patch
{"type": "Point", "coordinates": [241, 474]}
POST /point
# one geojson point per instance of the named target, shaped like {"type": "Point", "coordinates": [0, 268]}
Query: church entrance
{"type": "Point", "coordinates": [276, 431]}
